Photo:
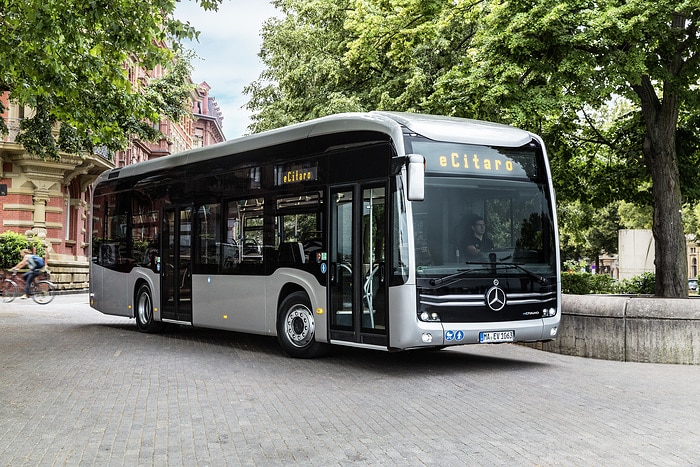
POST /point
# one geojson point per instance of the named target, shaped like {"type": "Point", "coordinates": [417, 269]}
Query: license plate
{"type": "Point", "coordinates": [491, 337]}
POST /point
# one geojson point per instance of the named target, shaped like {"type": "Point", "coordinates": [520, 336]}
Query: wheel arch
{"type": "Point", "coordinates": [316, 299]}
{"type": "Point", "coordinates": [146, 322]}
{"type": "Point", "coordinates": [288, 289]}
{"type": "Point", "coordinates": [296, 323]}
{"type": "Point", "coordinates": [139, 279]}
{"type": "Point", "coordinates": [137, 286]}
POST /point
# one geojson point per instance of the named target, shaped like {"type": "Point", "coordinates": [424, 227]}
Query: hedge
{"type": "Point", "coordinates": [11, 243]}
{"type": "Point", "coordinates": [584, 283]}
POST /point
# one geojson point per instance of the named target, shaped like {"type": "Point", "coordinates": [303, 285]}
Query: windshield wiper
{"type": "Point", "coordinates": [460, 272]}
{"type": "Point", "coordinates": [540, 279]}
{"type": "Point", "coordinates": [492, 257]}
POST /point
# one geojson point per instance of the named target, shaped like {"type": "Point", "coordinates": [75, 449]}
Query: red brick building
{"type": "Point", "coordinates": [50, 199]}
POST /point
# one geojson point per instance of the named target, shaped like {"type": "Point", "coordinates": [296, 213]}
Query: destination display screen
{"type": "Point", "coordinates": [295, 173]}
{"type": "Point", "coordinates": [467, 159]}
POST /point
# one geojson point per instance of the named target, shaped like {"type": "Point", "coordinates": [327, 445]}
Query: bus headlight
{"type": "Point", "coordinates": [427, 337]}
{"type": "Point", "coordinates": [425, 316]}
{"type": "Point", "coordinates": [549, 312]}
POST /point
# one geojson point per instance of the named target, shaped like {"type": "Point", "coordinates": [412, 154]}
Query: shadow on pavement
{"type": "Point", "coordinates": [467, 358]}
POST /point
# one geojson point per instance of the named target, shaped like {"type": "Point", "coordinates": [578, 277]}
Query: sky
{"type": "Point", "coordinates": [229, 42]}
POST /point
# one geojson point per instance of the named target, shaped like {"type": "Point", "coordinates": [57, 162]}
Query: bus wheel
{"type": "Point", "coordinates": [144, 311]}
{"type": "Point", "coordinates": [296, 328]}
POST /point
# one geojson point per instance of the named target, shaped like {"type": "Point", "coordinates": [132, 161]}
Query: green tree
{"type": "Point", "coordinates": [550, 59]}
{"type": "Point", "coordinates": [633, 216]}
{"type": "Point", "coordinates": [303, 77]}
{"type": "Point", "coordinates": [66, 58]}
{"type": "Point", "coordinates": [324, 57]}
{"type": "Point", "coordinates": [691, 220]}
{"type": "Point", "coordinates": [550, 66]}
{"type": "Point", "coordinates": [587, 232]}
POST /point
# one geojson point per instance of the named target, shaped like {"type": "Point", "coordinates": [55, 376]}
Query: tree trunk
{"type": "Point", "coordinates": [670, 247]}
{"type": "Point", "coordinates": [661, 120]}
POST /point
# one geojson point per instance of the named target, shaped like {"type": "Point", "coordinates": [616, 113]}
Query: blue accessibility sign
{"type": "Point", "coordinates": [454, 335]}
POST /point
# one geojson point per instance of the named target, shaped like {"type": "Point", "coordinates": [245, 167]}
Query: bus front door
{"type": "Point", "coordinates": [176, 272]}
{"type": "Point", "coordinates": [357, 279]}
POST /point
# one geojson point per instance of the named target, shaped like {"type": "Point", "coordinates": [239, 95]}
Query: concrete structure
{"type": "Point", "coordinates": [636, 252]}
{"type": "Point", "coordinates": [631, 329]}
{"type": "Point", "coordinates": [636, 255]}
{"type": "Point", "coordinates": [50, 199]}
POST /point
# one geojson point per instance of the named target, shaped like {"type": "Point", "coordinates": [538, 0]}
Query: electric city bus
{"type": "Point", "coordinates": [346, 230]}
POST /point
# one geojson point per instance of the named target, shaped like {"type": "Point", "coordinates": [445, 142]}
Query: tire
{"type": "Point", "coordinates": [8, 290]}
{"type": "Point", "coordinates": [296, 327]}
{"type": "Point", "coordinates": [143, 312]}
{"type": "Point", "coordinates": [42, 292]}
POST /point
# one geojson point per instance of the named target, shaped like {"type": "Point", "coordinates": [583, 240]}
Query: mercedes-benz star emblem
{"type": "Point", "coordinates": [496, 298]}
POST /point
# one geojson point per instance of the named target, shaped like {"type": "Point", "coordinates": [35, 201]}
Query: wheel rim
{"type": "Point", "coordinates": [41, 293]}
{"type": "Point", "coordinates": [144, 308]}
{"type": "Point", "coordinates": [8, 292]}
{"type": "Point", "coordinates": [299, 326]}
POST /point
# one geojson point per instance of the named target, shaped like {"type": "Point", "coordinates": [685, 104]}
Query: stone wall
{"type": "Point", "coordinates": [69, 274]}
{"type": "Point", "coordinates": [633, 329]}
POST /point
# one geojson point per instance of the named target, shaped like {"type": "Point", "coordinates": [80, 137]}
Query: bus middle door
{"type": "Point", "coordinates": [357, 279]}
{"type": "Point", "coordinates": [176, 271]}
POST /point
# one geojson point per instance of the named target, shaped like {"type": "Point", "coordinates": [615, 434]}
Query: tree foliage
{"type": "Point", "coordinates": [66, 59]}
{"type": "Point", "coordinates": [574, 55]}
{"type": "Point", "coordinates": [612, 86]}
{"type": "Point", "coordinates": [303, 54]}
{"type": "Point", "coordinates": [325, 57]}
{"type": "Point", "coordinates": [587, 232]}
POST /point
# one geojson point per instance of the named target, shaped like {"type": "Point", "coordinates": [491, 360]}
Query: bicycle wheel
{"type": "Point", "coordinates": [42, 292]}
{"type": "Point", "coordinates": [9, 290]}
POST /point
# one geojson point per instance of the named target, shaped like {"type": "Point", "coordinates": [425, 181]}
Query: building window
{"type": "Point", "coordinates": [67, 227]}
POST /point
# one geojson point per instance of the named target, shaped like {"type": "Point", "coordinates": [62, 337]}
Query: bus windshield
{"type": "Point", "coordinates": [484, 214]}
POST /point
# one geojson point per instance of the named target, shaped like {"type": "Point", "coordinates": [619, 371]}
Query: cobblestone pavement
{"type": "Point", "coordinates": [81, 388]}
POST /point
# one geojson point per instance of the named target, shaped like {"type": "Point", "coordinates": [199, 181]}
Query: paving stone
{"type": "Point", "coordinates": [81, 388]}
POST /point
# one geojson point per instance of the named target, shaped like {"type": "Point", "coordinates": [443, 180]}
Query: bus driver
{"type": "Point", "coordinates": [476, 243]}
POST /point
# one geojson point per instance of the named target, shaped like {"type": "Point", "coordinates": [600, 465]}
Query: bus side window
{"type": "Point", "coordinates": [244, 237]}
{"type": "Point", "coordinates": [313, 245]}
{"type": "Point", "coordinates": [298, 222]}
{"type": "Point", "coordinates": [291, 253]}
{"type": "Point", "coordinates": [210, 249]}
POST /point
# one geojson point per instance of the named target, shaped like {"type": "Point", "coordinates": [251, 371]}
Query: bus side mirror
{"type": "Point", "coordinates": [416, 177]}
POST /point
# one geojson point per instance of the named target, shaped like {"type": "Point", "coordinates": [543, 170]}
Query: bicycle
{"type": "Point", "coordinates": [8, 288]}
{"type": "Point", "coordinates": [42, 289]}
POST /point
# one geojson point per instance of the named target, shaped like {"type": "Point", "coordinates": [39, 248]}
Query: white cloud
{"type": "Point", "coordinates": [229, 42]}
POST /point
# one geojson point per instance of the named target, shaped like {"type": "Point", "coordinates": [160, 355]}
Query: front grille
{"type": "Point", "coordinates": [472, 308]}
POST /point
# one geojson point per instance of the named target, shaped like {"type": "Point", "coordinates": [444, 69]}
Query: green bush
{"type": "Point", "coordinates": [582, 283]}
{"type": "Point", "coordinates": [642, 284]}
{"type": "Point", "coordinates": [11, 244]}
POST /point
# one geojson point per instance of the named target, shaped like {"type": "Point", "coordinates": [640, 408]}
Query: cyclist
{"type": "Point", "coordinates": [34, 269]}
